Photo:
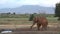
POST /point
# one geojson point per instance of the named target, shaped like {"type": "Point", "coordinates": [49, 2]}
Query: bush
{"type": "Point", "coordinates": [31, 17]}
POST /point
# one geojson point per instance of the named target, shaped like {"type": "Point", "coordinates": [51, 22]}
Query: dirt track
{"type": "Point", "coordinates": [36, 32]}
{"type": "Point", "coordinates": [25, 29]}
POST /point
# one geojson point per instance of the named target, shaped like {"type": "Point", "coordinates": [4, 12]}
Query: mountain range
{"type": "Point", "coordinates": [29, 9]}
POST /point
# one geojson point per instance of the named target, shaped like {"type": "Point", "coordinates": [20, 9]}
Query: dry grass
{"type": "Point", "coordinates": [22, 26]}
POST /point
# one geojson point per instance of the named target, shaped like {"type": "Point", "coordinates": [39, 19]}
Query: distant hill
{"type": "Point", "coordinates": [29, 9]}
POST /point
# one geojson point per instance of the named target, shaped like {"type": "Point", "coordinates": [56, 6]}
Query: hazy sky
{"type": "Point", "coordinates": [17, 3]}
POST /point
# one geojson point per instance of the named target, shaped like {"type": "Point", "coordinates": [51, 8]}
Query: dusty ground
{"type": "Point", "coordinates": [25, 29]}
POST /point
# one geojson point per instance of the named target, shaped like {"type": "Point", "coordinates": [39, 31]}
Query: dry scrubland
{"type": "Point", "coordinates": [22, 26]}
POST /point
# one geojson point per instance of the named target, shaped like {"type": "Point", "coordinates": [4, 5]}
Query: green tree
{"type": "Point", "coordinates": [14, 13]}
{"type": "Point", "coordinates": [57, 10]}
{"type": "Point", "coordinates": [32, 16]}
{"type": "Point", "coordinates": [8, 13]}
